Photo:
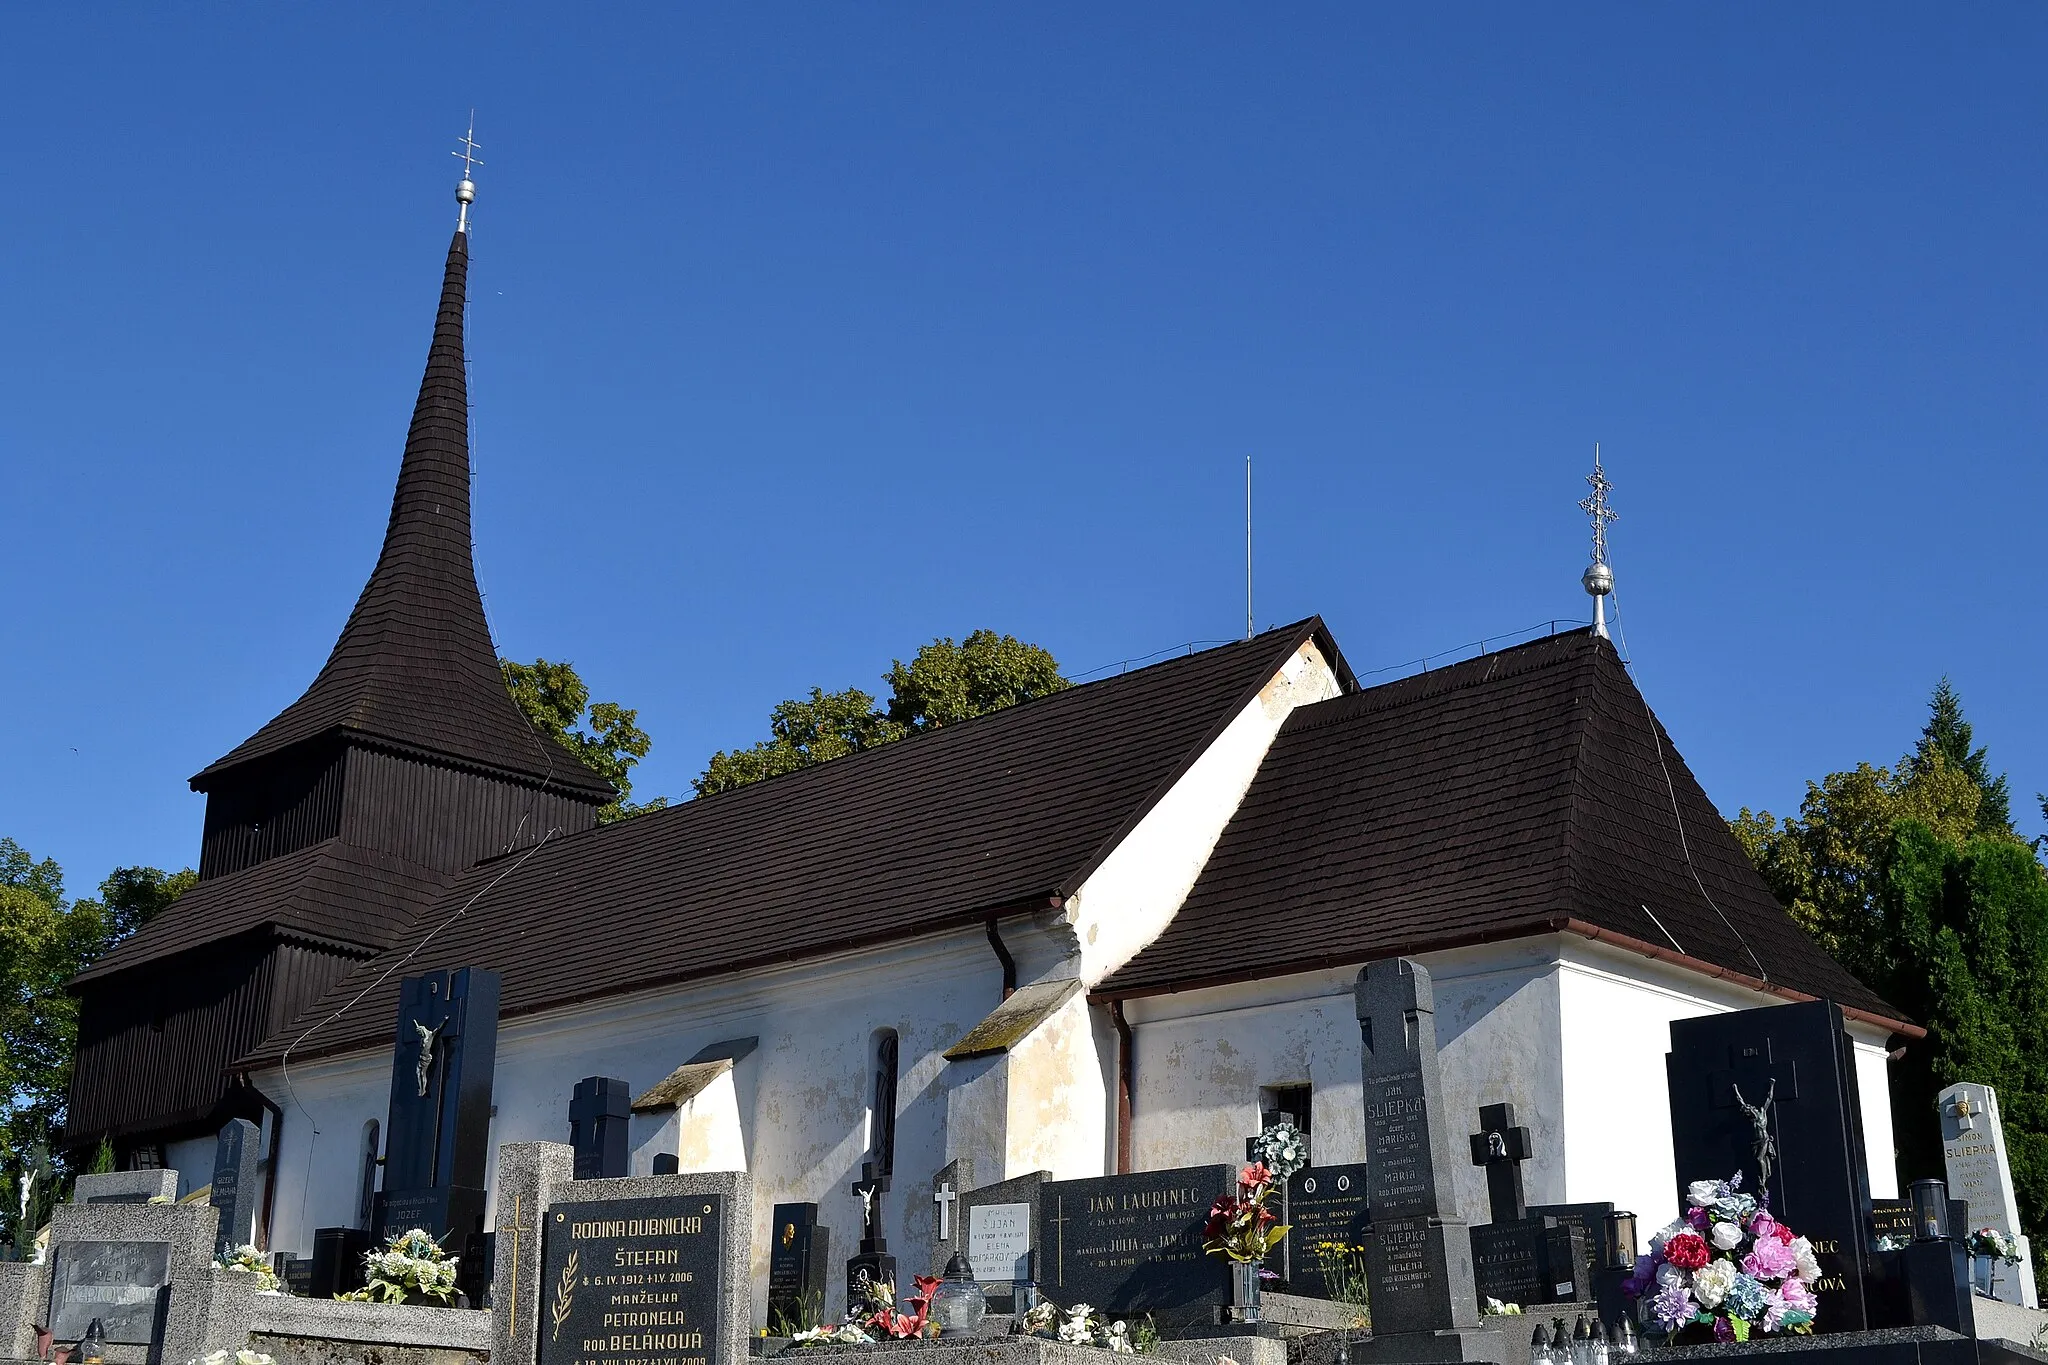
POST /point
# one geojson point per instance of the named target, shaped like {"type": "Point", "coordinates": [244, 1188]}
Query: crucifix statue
{"type": "Point", "coordinates": [870, 1187]}
{"type": "Point", "coordinates": [426, 1061]}
{"type": "Point", "coordinates": [1501, 1147]}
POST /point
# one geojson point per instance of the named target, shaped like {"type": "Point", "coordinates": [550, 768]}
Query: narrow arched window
{"type": "Point", "coordinates": [882, 1053]}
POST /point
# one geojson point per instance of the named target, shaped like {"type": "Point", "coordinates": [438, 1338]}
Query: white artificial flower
{"type": "Point", "coordinates": [1726, 1236]}
{"type": "Point", "coordinates": [1711, 1283]}
{"type": "Point", "coordinates": [1702, 1192]}
{"type": "Point", "coordinates": [1809, 1265]}
{"type": "Point", "coordinates": [1669, 1275]}
{"type": "Point", "coordinates": [1666, 1233]}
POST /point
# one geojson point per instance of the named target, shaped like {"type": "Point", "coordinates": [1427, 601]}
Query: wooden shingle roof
{"type": "Point", "coordinates": [1006, 812]}
{"type": "Point", "coordinates": [1517, 793]}
{"type": "Point", "coordinates": [415, 667]}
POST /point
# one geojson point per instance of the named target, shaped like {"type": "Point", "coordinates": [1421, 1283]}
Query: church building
{"type": "Point", "coordinates": [1106, 930]}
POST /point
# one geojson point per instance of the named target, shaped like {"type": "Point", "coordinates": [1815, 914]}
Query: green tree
{"type": "Point", "coordinates": [46, 940]}
{"type": "Point", "coordinates": [555, 699]}
{"type": "Point", "coordinates": [946, 682]}
{"type": "Point", "coordinates": [1949, 735]}
{"type": "Point", "coordinates": [1912, 877]}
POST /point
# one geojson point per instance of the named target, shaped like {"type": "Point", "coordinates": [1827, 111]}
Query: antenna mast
{"type": "Point", "coordinates": [1247, 547]}
{"type": "Point", "coordinates": [1598, 580]}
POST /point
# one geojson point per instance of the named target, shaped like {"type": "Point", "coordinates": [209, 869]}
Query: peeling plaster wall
{"type": "Point", "coordinates": [1618, 1008]}
{"type": "Point", "coordinates": [1203, 1056]}
{"type": "Point", "coordinates": [793, 1112]}
{"type": "Point", "coordinates": [1128, 900]}
{"type": "Point", "coordinates": [1057, 1111]}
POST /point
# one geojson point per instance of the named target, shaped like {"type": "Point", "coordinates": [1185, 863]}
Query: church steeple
{"type": "Point", "coordinates": [415, 667]}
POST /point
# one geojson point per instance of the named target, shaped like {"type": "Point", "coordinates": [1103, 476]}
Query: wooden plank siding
{"type": "Point", "coordinates": [445, 817]}
{"type": "Point", "coordinates": [154, 1045]}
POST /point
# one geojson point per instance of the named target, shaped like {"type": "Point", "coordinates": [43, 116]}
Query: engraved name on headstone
{"type": "Point", "coordinates": [1979, 1172]}
{"type": "Point", "coordinates": [999, 1241]}
{"type": "Point", "coordinates": [1133, 1243]}
{"type": "Point", "coordinates": [235, 1186]}
{"type": "Point", "coordinates": [1325, 1206]}
{"type": "Point", "coordinates": [798, 1255]}
{"type": "Point", "coordinates": [632, 1281]}
{"type": "Point", "coordinates": [120, 1283]}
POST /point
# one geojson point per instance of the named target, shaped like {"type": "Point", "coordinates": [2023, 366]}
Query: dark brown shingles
{"type": "Point", "coordinates": [1002, 812]}
{"type": "Point", "coordinates": [1499, 797]}
{"type": "Point", "coordinates": [415, 665]}
{"type": "Point", "coordinates": [331, 891]}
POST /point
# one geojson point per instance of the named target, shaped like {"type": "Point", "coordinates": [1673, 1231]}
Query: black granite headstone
{"type": "Point", "coordinates": [632, 1279]}
{"type": "Point", "coordinates": [1132, 1244]}
{"type": "Point", "coordinates": [799, 1252]}
{"type": "Point", "coordinates": [1008, 1201]}
{"type": "Point", "coordinates": [338, 1261]}
{"type": "Point", "coordinates": [234, 1180]}
{"type": "Point", "coordinates": [297, 1274]}
{"type": "Point", "coordinates": [599, 1112]}
{"type": "Point", "coordinates": [1325, 1204]}
{"type": "Point", "coordinates": [1501, 1146]}
{"type": "Point", "coordinates": [872, 1265]}
{"type": "Point", "coordinates": [1419, 1265]}
{"type": "Point", "coordinates": [121, 1283]}
{"type": "Point", "coordinates": [1591, 1221]}
{"type": "Point", "coordinates": [1796, 1066]}
{"type": "Point", "coordinates": [440, 1117]}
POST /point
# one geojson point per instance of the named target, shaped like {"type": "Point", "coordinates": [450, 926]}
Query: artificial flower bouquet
{"type": "Point", "coordinates": [1282, 1149]}
{"type": "Point", "coordinates": [1241, 1228]}
{"type": "Point", "coordinates": [247, 1260]}
{"type": "Point", "coordinates": [411, 1267]}
{"type": "Point", "coordinates": [1727, 1269]}
{"type": "Point", "coordinates": [1992, 1245]}
{"type": "Point", "coordinates": [1081, 1325]}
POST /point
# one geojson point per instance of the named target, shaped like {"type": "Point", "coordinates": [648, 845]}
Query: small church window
{"type": "Point", "coordinates": [883, 1063]}
{"type": "Point", "coordinates": [1290, 1102]}
{"type": "Point", "coordinates": [366, 1193]}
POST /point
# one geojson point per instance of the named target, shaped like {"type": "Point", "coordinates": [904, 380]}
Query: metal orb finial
{"type": "Point", "coordinates": [465, 192]}
{"type": "Point", "coordinates": [1598, 580]}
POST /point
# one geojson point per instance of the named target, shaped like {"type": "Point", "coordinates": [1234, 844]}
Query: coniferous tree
{"type": "Point", "coordinates": [1947, 733]}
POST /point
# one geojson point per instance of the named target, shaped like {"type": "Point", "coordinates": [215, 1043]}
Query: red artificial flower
{"type": "Point", "coordinates": [1687, 1251]}
{"type": "Point", "coordinates": [1786, 1235]}
{"type": "Point", "coordinates": [1254, 1174]}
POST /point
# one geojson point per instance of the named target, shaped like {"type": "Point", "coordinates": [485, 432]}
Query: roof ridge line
{"type": "Point", "coordinates": [1363, 701]}
{"type": "Point", "coordinates": [1312, 628]}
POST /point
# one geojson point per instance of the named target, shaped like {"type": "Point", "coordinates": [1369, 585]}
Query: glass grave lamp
{"type": "Point", "coordinates": [1930, 1210]}
{"type": "Point", "coordinates": [1621, 1240]}
{"type": "Point", "coordinates": [958, 1304]}
{"type": "Point", "coordinates": [92, 1347]}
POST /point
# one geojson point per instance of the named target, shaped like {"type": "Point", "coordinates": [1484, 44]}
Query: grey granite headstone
{"type": "Point", "coordinates": [1021, 1189]}
{"type": "Point", "coordinates": [126, 1187]}
{"type": "Point", "coordinates": [949, 1188]}
{"type": "Point", "coordinates": [534, 1178]}
{"type": "Point", "coordinates": [1419, 1257]}
{"type": "Point", "coordinates": [1979, 1171]}
{"type": "Point", "coordinates": [235, 1186]}
{"type": "Point", "coordinates": [121, 1284]}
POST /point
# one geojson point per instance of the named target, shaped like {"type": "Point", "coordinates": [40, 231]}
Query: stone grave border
{"type": "Point", "coordinates": [534, 1176]}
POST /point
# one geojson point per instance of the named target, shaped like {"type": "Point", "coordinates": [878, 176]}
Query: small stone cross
{"type": "Point", "coordinates": [1501, 1147]}
{"type": "Point", "coordinates": [1965, 1113]}
{"type": "Point", "coordinates": [943, 1196]}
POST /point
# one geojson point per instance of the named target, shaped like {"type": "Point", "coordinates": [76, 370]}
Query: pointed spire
{"type": "Point", "coordinates": [415, 665]}
{"type": "Point", "coordinates": [1598, 580]}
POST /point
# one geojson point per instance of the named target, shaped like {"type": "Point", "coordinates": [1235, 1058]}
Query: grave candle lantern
{"type": "Point", "coordinates": [1930, 1210]}
{"type": "Point", "coordinates": [958, 1304]}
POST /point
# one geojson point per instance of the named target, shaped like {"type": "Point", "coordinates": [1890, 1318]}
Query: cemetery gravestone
{"type": "Point", "coordinates": [1018, 1191]}
{"type": "Point", "coordinates": [1419, 1256]}
{"type": "Point", "coordinates": [1979, 1172]}
{"type": "Point", "coordinates": [120, 1283]}
{"type": "Point", "coordinates": [999, 1242]}
{"type": "Point", "coordinates": [949, 1208]}
{"type": "Point", "coordinates": [599, 1112]}
{"type": "Point", "coordinates": [126, 1187]}
{"type": "Point", "coordinates": [798, 1257]}
{"type": "Point", "coordinates": [1325, 1204]}
{"type": "Point", "coordinates": [633, 1279]}
{"type": "Point", "coordinates": [1891, 1222]}
{"type": "Point", "coordinates": [1786, 1073]}
{"type": "Point", "coordinates": [1132, 1244]}
{"type": "Point", "coordinates": [873, 1265]}
{"type": "Point", "coordinates": [440, 1115]}
{"type": "Point", "coordinates": [234, 1181]}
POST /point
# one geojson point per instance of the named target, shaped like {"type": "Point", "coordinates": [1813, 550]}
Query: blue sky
{"type": "Point", "coordinates": [803, 334]}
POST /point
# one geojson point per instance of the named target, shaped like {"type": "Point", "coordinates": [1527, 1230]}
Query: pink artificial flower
{"type": "Point", "coordinates": [1763, 1225]}
{"type": "Point", "coordinates": [1795, 1294]}
{"type": "Point", "coordinates": [1769, 1259]}
{"type": "Point", "coordinates": [1698, 1219]}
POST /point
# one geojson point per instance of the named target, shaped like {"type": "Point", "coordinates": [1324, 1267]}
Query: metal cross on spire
{"type": "Point", "coordinates": [465, 193]}
{"type": "Point", "coordinates": [1598, 579]}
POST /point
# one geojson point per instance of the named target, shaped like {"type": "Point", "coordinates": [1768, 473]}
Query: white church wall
{"type": "Point", "coordinates": [192, 1159]}
{"type": "Point", "coordinates": [1130, 898]}
{"type": "Point", "coordinates": [1203, 1057]}
{"type": "Point", "coordinates": [793, 1112]}
{"type": "Point", "coordinates": [1617, 1011]}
